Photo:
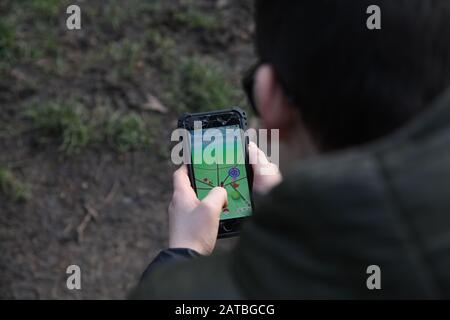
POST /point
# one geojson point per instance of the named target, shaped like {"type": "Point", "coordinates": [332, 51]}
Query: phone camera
{"type": "Point", "coordinates": [221, 121]}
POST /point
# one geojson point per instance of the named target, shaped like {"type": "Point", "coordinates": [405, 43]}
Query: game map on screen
{"type": "Point", "coordinates": [231, 176]}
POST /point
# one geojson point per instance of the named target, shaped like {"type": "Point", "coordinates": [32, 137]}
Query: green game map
{"type": "Point", "coordinates": [231, 176]}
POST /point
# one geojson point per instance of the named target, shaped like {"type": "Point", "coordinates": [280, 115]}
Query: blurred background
{"type": "Point", "coordinates": [85, 123]}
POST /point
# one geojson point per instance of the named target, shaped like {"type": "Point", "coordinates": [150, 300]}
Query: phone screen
{"type": "Point", "coordinates": [224, 167]}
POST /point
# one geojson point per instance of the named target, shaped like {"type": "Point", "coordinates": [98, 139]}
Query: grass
{"type": "Point", "coordinates": [162, 50]}
{"type": "Point", "coordinates": [121, 46]}
{"type": "Point", "coordinates": [160, 43]}
{"type": "Point", "coordinates": [68, 124]}
{"type": "Point", "coordinates": [8, 45]}
{"type": "Point", "coordinates": [46, 7]}
{"type": "Point", "coordinates": [74, 128]}
{"type": "Point", "coordinates": [193, 18]}
{"type": "Point", "coordinates": [123, 57]}
{"type": "Point", "coordinates": [17, 44]}
{"type": "Point", "coordinates": [11, 188]}
{"type": "Point", "coordinates": [119, 58]}
{"type": "Point", "coordinates": [200, 86]}
{"type": "Point", "coordinates": [7, 39]}
{"type": "Point", "coordinates": [127, 133]}
{"type": "Point", "coordinates": [116, 15]}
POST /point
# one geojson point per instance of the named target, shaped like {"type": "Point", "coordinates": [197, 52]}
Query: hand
{"type": "Point", "coordinates": [193, 223]}
{"type": "Point", "coordinates": [266, 175]}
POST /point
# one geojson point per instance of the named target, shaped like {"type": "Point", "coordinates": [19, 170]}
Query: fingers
{"type": "Point", "coordinates": [255, 155]}
{"type": "Point", "coordinates": [261, 165]}
{"type": "Point", "coordinates": [181, 180]}
{"type": "Point", "coordinates": [252, 152]}
{"type": "Point", "coordinates": [213, 203]}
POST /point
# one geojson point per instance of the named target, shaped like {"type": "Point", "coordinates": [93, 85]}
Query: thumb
{"type": "Point", "coordinates": [257, 157]}
{"type": "Point", "coordinates": [252, 153]}
{"type": "Point", "coordinates": [213, 203]}
{"type": "Point", "coordinates": [261, 165]}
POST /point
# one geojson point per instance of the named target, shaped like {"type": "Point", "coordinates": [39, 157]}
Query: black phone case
{"type": "Point", "coordinates": [243, 120]}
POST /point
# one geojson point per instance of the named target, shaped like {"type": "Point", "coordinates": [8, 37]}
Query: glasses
{"type": "Point", "coordinates": [248, 81]}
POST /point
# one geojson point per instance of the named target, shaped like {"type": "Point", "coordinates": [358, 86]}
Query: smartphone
{"type": "Point", "coordinates": [223, 162]}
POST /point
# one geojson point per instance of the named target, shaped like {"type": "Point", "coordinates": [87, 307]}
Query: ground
{"type": "Point", "coordinates": [85, 124]}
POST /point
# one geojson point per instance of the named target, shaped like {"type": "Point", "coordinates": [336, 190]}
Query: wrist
{"type": "Point", "coordinates": [192, 245]}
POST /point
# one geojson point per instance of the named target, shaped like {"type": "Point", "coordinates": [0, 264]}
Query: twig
{"type": "Point", "coordinates": [111, 194]}
{"type": "Point", "coordinates": [82, 226]}
{"type": "Point", "coordinates": [91, 211]}
{"type": "Point", "coordinates": [92, 214]}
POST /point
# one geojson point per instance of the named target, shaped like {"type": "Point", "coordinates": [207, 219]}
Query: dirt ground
{"type": "Point", "coordinates": [86, 187]}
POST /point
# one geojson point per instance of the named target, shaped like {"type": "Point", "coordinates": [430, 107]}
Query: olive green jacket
{"type": "Point", "coordinates": [314, 236]}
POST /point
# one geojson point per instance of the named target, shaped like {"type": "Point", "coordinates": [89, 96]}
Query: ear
{"type": "Point", "coordinates": [273, 106]}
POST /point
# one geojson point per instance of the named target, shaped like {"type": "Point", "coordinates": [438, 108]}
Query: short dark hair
{"type": "Point", "coordinates": [353, 84]}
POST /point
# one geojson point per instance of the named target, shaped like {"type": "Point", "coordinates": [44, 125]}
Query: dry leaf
{"type": "Point", "coordinates": [154, 104]}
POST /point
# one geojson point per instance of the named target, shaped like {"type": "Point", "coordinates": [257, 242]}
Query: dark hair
{"type": "Point", "coordinates": [353, 84]}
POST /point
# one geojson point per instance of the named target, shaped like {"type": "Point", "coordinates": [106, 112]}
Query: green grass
{"type": "Point", "coordinates": [11, 188]}
{"type": "Point", "coordinates": [162, 50]}
{"type": "Point", "coordinates": [67, 124]}
{"type": "Point", "coordinates": [193, 18]}
{"type": "Point", "coordinates": [115, 15]}
{"type": "Point", "coordinates": [126, 54]}
{"type": "Point", "coordinates": [200, 86]}
{"type": "Point", "coordinates": [160, 42]}
{"type": "Point", "coordinates": [7, 39]}
{"type": "Point", "coordinates": [119, 58]}
{"type": "Point", "coordinates": [18, 44]}
{"type": "Point", "coordinates": [127, 133]}
{"type": "Point", "coordinates": [74, 128]}
{"type": "Point", "coordinates": [8, 45]}
{"type": "Point", "coordinates": [46, 7]}
{"type": "Point", "coordinates": [119, 49]}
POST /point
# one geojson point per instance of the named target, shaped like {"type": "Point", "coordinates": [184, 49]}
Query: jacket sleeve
{"type": "Point", "coordinates": [167, 256]}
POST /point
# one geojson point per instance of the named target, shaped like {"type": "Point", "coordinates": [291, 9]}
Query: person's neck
{"type": "Point", "coordinates": [298, 145]}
